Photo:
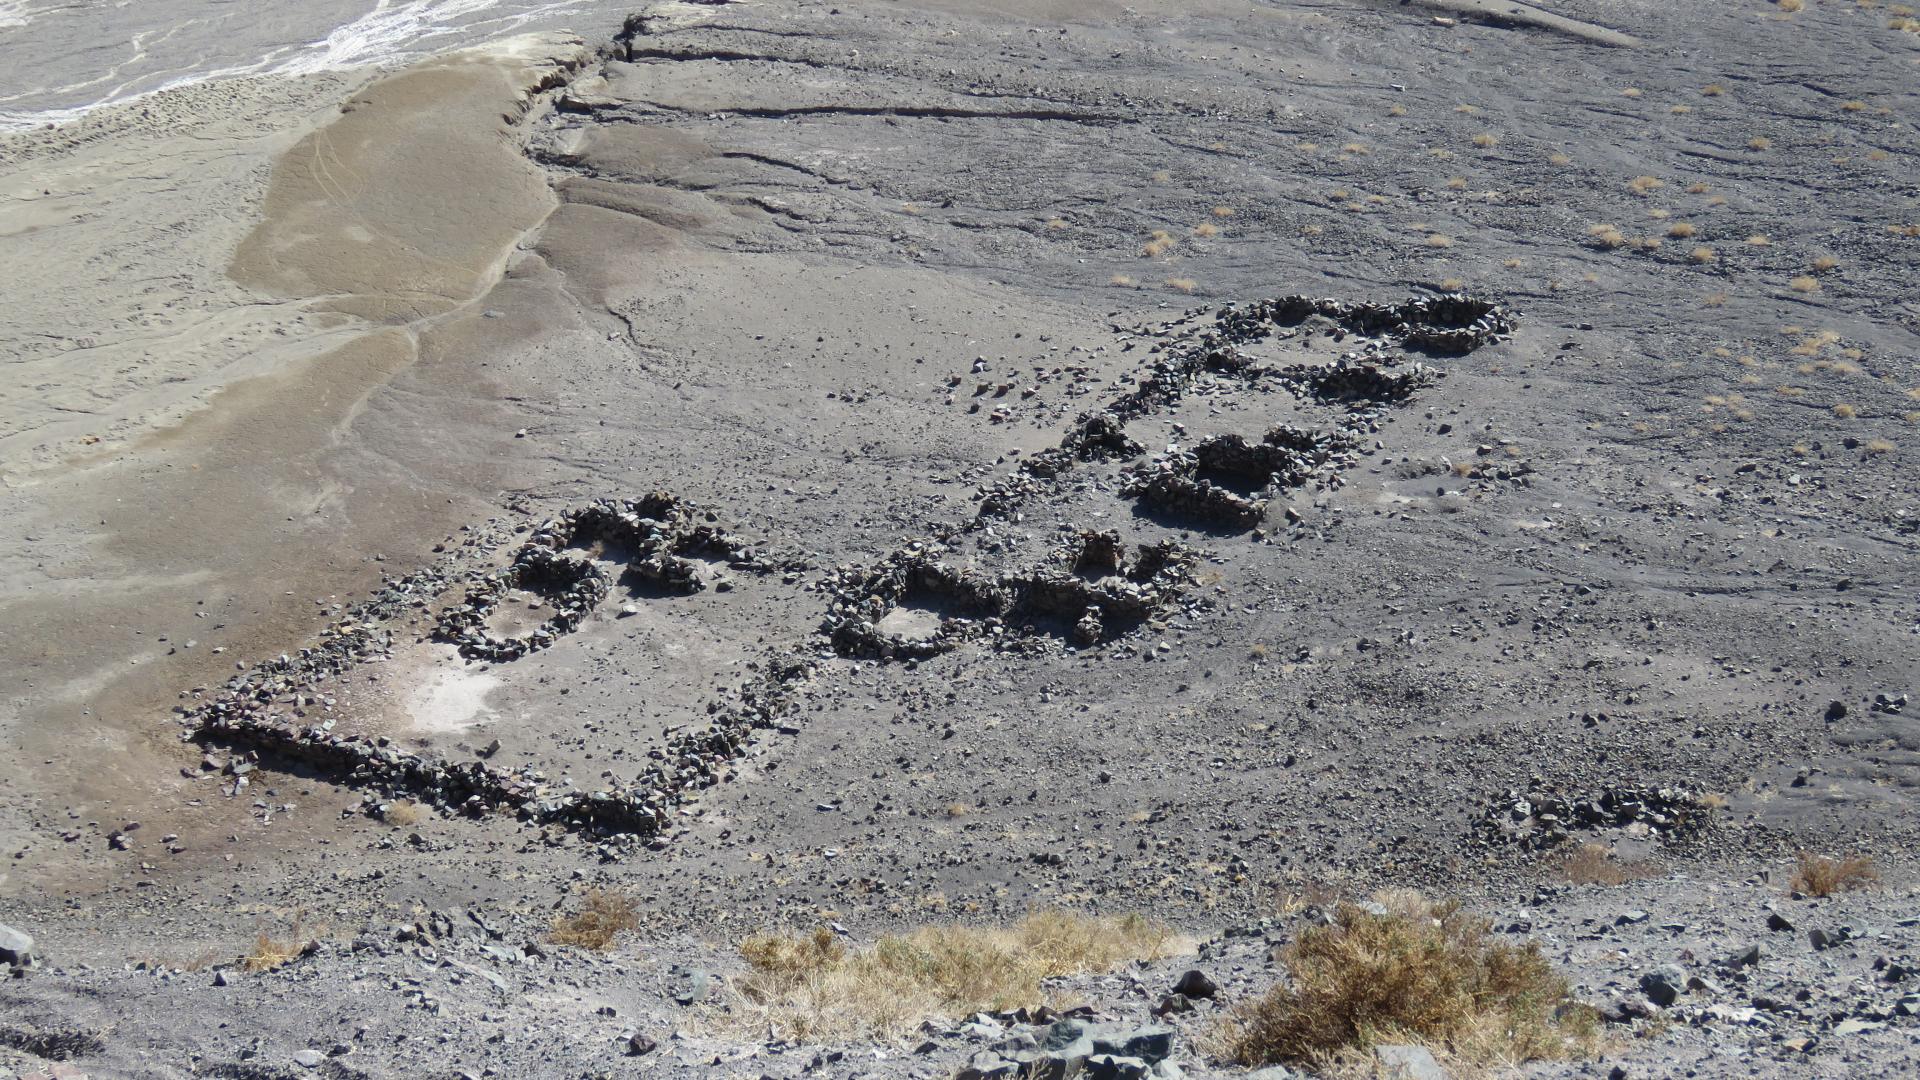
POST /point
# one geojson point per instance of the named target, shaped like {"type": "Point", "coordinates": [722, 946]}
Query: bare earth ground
{"type": "Point", "coordinates": [825, 272]}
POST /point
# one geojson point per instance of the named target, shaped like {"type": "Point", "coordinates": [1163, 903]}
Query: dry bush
{"type": "Point", "coordinates": [1825, 263]}
{"type": "Point", "coordinates": [1559, 159]}
{"type": "Point", "coordinates": [1159, 242]}
{"type": "Point", "coordinates": [1205, 229]}
{"type": "Point", "coordinates": [1452, 284]}
{"type": "Point", "coordinates": [1804, 284]}
{"type": "Point", "coordinates": [1681, 230]}
{"type": "Point", "coordinates": [957, 809]}
{"type": "Point", "coordinates": [1853, 106]}
{"type": "Point", "coordinates": [1056, 223]}
{"type": "Point", "coordinates": [816, 988]}
{"type": "Point", "coordinates": [1718, 299]}
{"type": "Point", "coordinates": [603, 916]}
{"type": "Point", "coordinates": [1702, 254]}
{"type": "Point", "coordinates": [1594, 864]}
{"type": "Point", "coordinates": [1355, 148]}
{"type": "Point", "coordinates": [1791, 6]}
{"type": "Point", "coordinates": [1486, 141]}
{"type": "Point", "coordinates": [1162, 176]}
{"type": "Point", "coordinates": [1645, 185]}
{"type": "Point", "coordinates": [1820, 875]}
{"type": "Point", "coordinates": [1759, 142]}
{"type": "Point", "coordinates": [1713, 90]}
{"type": "Point", "coordinates": [1457, 183]}
{"type": "Point", "coordinates": [1631, 91]}
{"type": "Point", "coordinates": [1181, 284]}
{"type": "Point", "coordinates": [1606, 236]}
{"type": "Point", "coordinates": [1680, 110]}
{"type": "Point", "coordinates": [1877, 447]}
{"type": "Point", "coordinates": [270, 952]}
{"type": "Point", "coordinates": [1845, 411]}
{"type": "Point", "coordinates": [1698, 188]}
{"type": "Point", "coordinates": [1760, 240]}
{"type": "Point", "coordinates": [1223, 211]}
{"type": "Point", "coordinates": [404, 813]}
{"type": "Point", "coordinates": [1120, 279]}
{"type": "Point", "coordinates": [1439, 240]}
{"type": "Point", "coordinates": [1421, 973]}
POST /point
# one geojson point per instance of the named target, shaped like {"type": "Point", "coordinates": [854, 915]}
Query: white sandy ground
{"type": "Point", "coordinates": [187, 331]}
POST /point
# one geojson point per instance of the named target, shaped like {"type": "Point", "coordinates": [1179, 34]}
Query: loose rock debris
{"type": "Point", "coordinates": [1090, 593]}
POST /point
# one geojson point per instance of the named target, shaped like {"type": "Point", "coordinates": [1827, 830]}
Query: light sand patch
{"type": "Point", "coordinates": [451, 700]}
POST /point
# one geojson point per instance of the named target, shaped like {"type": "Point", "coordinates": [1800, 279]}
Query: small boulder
{"type": "Point", "coordinates": [16, 947]}
{"type": "Point", "coordinates": [1408, 1063]}
{"type": "Point", "coordinates": [1196, 984]}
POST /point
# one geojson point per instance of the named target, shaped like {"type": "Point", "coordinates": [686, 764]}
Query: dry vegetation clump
{"type": "Point", "coordinates": [1825, 263]}
{"type": "Point", "coordinates": [1606, 236]}
{"type": "Point", "coordinates": [404, 813]}
{"type": "Point", "coordinates": [1486, 140]}
{"type": "Point", "coordinates": [603, 916]}
{"type": "Point", "coordinates": [1159, 242]}
{"type": "Point", "coordinates": [1681, 230]}
{"type": "Point", "coordinates": [1876, 447]}
{"type": "Point", "coordinates": [1759, 142]}
{"type": "Point", "coordinates": [1791, 6]}
{"type": "Point", "coordinates": [1439, 240]}
{"type": "Point", "coordinates": [1223, 211]}
{"type": "Point", "coordinates": [815, 987]}
{"type": "Point", "coordinates": [1713, 90]}
{"type": "Point", "coordinates": [1804, 284]}
{"type": "Point", "coordinates": [1181, 284]}
{"type": "Point", "coordinates": [1420, 972]}
{"type": "Point", "coordinates": [270, 952]}
{"type": "Point", "coordinates": [1845, 411]}
{"type": "Point", "coordinates": [1120, 279]}
{"type": "Point", "coordinates": [1205, 229]}
{"type": "Point", "coordinates": [1594, 864]}
{"type": "Point", "coordinates": [1702, 254]}
{"type": "Point", "coordinates": [1821, 875]}
{"type": "Point", "coordinates": [1645, 185]}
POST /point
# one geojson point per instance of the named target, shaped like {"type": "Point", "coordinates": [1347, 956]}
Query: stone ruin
{"type": "Point", "coordinates": [1100, 595]}
{"type": "Point", "coordinates": [654, 536]}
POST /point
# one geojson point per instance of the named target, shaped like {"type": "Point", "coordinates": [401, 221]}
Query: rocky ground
{"type": "Point", "coordinates": [956, 333]}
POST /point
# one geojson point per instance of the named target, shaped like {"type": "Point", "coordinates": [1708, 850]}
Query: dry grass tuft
{"type": "Point", "coordinates": [1457, 183]}
{"type": "Point", "coordinates": [1181, 284]}
{"type": "Point", "coordinates": [1120, 279]}
{"type": "Point", "coordinates": [1162, 176]}
{"type": "Point", "coordinates": [1876, 447]}
{"type": "Point", "coordinates": [1056, 223]}
{"type": "Point", "coordinates": [1206, 228]}
{"type": "Point", "coordinates": [1159, 242]}
{"type": "Point", "coordinates": [816, 988]}
{"type": "Point", "coordinates": [1820, 875]}
{"type": "Point", "coordinates": [1223, 211]}
{"type": "Point", "coordinates": [1698, 188]}
{"type": "Point", "coordinates": [1791, 6]}
{"type": "Point", "coordinates": [1713, 90]}
{"type": "Point", "coordinates": [1486, 141]}
{"type": "Point", "coordinates": [1645, 185]}
{"type": "Point", "coordinates": [1825, 263]}
{"type": "Point", "coordinates": [603, 916]}
{"type": "Point", "coordinates": [404, 813]}
{"type": "Point", "coordinates": [1804, 284]}
{"type": "Point", "coordinates": [1439, 240]}
{"type": "Point", "coordinates": [1845, 411]}
{"type": "Point", "coordinates": [1594, 864]}
{"type": "Point", "coordinates": [1681, 230]}
{"type": "Point", "coordinates": [1355, 149]}
{"type": "Point", "coordinates": [1759, 142]}
{"type": "Point", "coordinates": [1606, 236]}
{"type": "Point", "coordinates": [1718, 299]}
{"type": "Point", "coordinates": [1421, 973]}
{"type": "Point", "coordinates": [1760, 240]}
{"type": "Point", "coordinates": [1702, 254]}
{"type": "Point", "coordinates": [270, 952]}
{"type": "Point", "coordinates": [1853, 106]}
{"type": "Point", "coordinates": [1559, 159]}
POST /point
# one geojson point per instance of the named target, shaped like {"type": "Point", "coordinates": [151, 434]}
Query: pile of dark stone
{"type": "Point", "coordinates": [1206, 483]}
{"type": "Point", "coordinates": [659, 527]}
{"type": "Point", "coordinates": [1077, 1048]}
{"type": "Point", "coordinates": [1101, 595]}
{"type": "Point", "coordinates": [1539, 818]}
{"type": "Point", "coordinates": [1367, 382]}
{"type": "Point", "coordinates": [654, 536]}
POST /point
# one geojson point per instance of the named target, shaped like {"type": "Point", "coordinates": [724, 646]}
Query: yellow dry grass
{"type": "Point", "coordinates": [1825, 263]}
{"type": "Point", "coordinates": [1206, 228]}
{"type": "Point", "coordinates": [1845, 411]}
{"type": "Point", "coordinates": [270, 951]}
{"type": "Point", "coordinates": [1876, 447]}
{"type": "Point", "coordinates": [1159, 242]}
{"type": "Point", "coordinates": [1759, 142]}
{"type": "Point", "coordinates": [1439, 240]}
{"type": "Point", "coordinates": [1422, 973]}
{"type": "Point", "coordinates": [1120, 279]}
{"type": "Point", "coordinates": [1681, 230]}
{"type": "Point", "coordinates": [1594, 864]}
{"type": "Point", "coordinates": [815, 987]}
{"type": "Point", "coordinates": [1645, 185]}
{"type": "Point", "coordinates": [1821, 875]}
{"type": "Point", "coordinates": [604, 915]}
{"type": "Point", "coordinates": [1605, 235]}
{"type": "Point", "coordinates": [1486, 140]}
{"type": "Point", "coordinates": [1181, 284]}
{"type": "Point", "coordinates": [1804, 284]}
{"type": "Point", "coordinates": [1702, 254]}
